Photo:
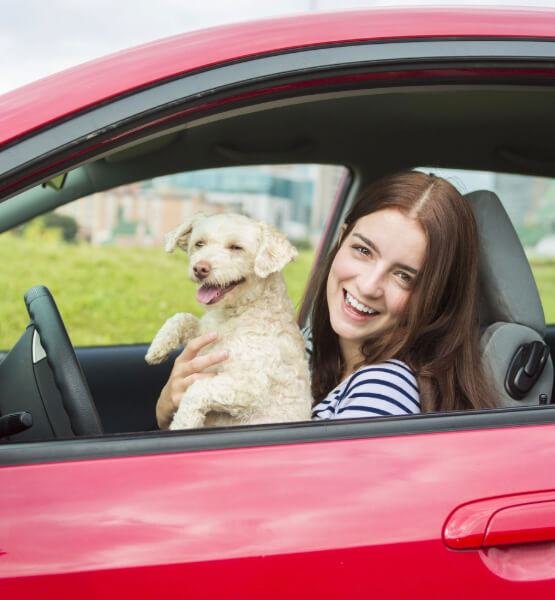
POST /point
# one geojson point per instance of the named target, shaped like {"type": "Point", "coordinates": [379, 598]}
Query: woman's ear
{"type": "Point", "coordinates": [341, 234]}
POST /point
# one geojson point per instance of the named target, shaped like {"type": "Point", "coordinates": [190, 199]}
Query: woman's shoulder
{"type": "Point", "coordinates": [387, 388]}
{"type": "Point", "coordinates": [381, 389]}
{"type": "Point", "coordinates": [388, 370]}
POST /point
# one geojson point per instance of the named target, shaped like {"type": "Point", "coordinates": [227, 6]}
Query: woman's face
{"type": "Point", "coordinates": [371, 277]}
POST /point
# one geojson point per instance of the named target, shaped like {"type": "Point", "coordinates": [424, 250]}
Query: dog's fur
{"type": "Point", "coordinates": [266, 377]}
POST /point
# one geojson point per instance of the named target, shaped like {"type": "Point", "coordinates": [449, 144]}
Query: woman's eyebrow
{"type": "Point", "coordinates": [367, 242]}
{"type": "Point", "coordinates": [374, 247]}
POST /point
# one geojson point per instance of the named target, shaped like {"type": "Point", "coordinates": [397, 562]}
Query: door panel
{"type": "Point", "coordinates": [338, 519]}
{"type": "Point", "coordinates": [124, 387]}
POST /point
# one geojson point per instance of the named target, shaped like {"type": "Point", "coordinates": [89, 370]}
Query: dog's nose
{"type": "Point", "coordinates": [202, 269]}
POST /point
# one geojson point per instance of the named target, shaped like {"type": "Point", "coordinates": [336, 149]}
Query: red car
{"type": "Point", "coordinates": [95, 501]}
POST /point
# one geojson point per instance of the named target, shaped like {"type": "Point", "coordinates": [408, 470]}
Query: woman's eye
{"type": "Point", "coordinates": [235, 247]}
{"type": "Point", "coordinates": [405, 277]}
{"type": "Point", "coordinates": [362, 250]}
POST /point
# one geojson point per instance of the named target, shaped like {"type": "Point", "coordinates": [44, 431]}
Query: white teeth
{"type": "Point", "coordinates": [356, 304]}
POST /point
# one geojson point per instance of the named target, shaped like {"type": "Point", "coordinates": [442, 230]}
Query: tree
{"type": "Point", "coordinates": [67, 225]}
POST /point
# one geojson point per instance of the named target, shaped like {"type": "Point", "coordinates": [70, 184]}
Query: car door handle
{"type": "Point", "coordinates": [515, 519]}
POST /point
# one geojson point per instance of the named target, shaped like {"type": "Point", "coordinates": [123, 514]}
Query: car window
{"type": "Point", "coordinates": [530, 204]}
{"type": "Point", "coordinates": [103, 256]}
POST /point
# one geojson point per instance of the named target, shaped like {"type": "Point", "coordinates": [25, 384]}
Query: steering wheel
{"type": "Point", "coordinates": [54, 391]}
{"type": "Point", "coordinates": [68, 375]}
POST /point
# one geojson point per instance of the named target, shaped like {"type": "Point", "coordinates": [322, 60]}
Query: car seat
{"type": "Point", "coordinates": [512, 321]}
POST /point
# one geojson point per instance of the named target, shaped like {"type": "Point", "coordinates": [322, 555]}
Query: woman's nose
{"type": "Point", "coordinates": [371, 282]}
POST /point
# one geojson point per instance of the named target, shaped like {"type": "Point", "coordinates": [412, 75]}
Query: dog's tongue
{"type": "Point", "coordinates": [207, 293]}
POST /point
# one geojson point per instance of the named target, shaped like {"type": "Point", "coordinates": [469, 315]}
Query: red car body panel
{"type": "Point", "coordinates": [40, 103]}
{"type": "Point", "coordinates": [301, 520]}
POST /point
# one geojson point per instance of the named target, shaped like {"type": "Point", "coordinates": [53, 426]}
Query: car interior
{"type": "Point", "coordinates": [512, 321]}
{"type": "Point", "coordinates": [372, 132]}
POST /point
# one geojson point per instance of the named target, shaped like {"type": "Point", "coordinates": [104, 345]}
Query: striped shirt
{"type": "Point", "coordinates": [385, 389]}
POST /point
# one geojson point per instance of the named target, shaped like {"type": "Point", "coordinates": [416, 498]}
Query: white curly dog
{"type": "Point", "coordinates": [237, 263]}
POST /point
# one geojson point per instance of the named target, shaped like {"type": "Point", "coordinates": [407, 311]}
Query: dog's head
{"type": "Point", "coordinates": [230, 256]}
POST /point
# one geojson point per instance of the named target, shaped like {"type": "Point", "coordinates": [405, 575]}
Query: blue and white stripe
{"type": "Point", "coordinates": [386, 389]}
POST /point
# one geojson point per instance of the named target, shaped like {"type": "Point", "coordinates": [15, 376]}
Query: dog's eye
{"type": "Point", "coordinates": [235, 247]}
{"type": "Point", "coordinates": [200, 244]}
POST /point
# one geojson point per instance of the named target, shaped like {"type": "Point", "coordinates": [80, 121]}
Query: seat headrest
{"type": "Point", "coordinates": [508, 291]}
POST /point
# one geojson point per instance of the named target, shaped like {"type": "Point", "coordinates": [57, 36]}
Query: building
{"type": "Point", "coordinates": [294, 198]}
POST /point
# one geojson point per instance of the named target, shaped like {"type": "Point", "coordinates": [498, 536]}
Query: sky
{"type": "Point", "coordinates": [41, 37]}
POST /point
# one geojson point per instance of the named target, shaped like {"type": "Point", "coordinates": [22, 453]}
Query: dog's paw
{"type": "Point", "coordinates": [173, 333]}
{"type": "Point", "coordinates": [187, 418]}
{"type": "Point", "coordinates": [156, 354]}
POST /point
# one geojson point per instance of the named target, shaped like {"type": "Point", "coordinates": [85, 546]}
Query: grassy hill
{"type": "Point", "coordinates": [111, 295]}
{"type": "Point", "coordinates": [106, 295]}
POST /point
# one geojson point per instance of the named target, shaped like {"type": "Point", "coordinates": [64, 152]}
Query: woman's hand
{"type": "Point", "coordinates": [187, 368]}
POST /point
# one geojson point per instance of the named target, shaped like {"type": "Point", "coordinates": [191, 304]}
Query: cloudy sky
{"type": "Point", "coordinates": [41, 37]}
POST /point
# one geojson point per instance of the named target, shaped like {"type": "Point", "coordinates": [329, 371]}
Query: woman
{"type": "Point", "coordinates": [394, 321]}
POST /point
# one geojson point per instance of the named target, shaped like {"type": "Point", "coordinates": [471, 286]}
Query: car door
{"type": "Point", "coordinates": [327, 509]}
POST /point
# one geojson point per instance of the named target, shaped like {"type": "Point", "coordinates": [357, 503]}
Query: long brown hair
{"type": "Point", "coordinates": [437, 335]}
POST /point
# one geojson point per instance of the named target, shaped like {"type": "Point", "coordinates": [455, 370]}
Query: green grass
{"type": "Point", "coordinates": [544, 273]}
{"type": "Point", "coordinates": [106, 295]}
{"type": "Point", "coordinates": [110, 295]}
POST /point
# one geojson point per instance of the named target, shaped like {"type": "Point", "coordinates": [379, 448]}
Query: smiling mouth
{"type": "Point", "coordinates": [356, 307]}
{"type": "Point", "coordinates": [211, 294]}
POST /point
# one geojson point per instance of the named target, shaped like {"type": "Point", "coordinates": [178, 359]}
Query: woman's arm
{"type": "Point", "coordinates": [187, 369]}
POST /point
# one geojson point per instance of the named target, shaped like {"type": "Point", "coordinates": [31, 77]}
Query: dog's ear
{"type": "Point", "coordinates": [181, 234]}
{"type": "Point", "coordinates": [274, 253]}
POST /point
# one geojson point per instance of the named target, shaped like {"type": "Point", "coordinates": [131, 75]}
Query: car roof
{"type": "Point", "coordinates": [53, 98]}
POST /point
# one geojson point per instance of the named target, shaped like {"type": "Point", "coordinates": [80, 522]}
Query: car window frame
{"type": "Point", "coordinates": [100, 129]}
{"type": "Point", "coordinates": [162, 442]}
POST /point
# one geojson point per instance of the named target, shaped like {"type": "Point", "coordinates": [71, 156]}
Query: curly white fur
{"type": "Point", "coordinates": [266, 377]}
